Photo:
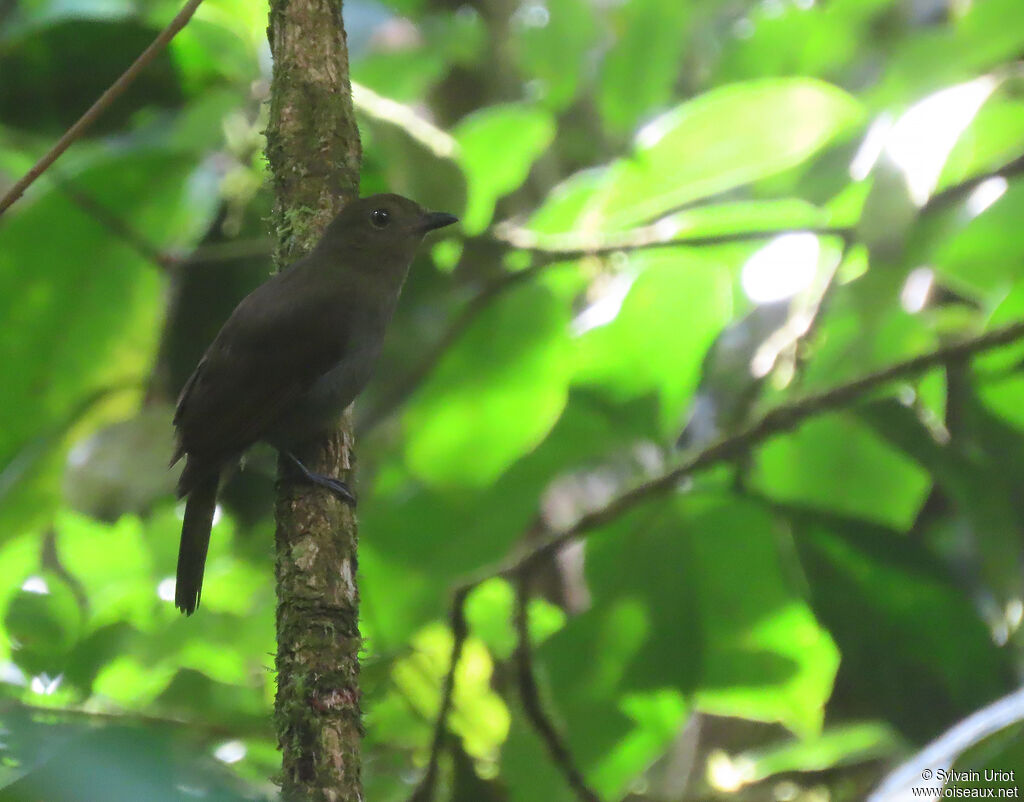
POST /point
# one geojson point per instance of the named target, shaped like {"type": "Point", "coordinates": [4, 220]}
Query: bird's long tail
{"type": "Point", "coordinates": [195, 539]}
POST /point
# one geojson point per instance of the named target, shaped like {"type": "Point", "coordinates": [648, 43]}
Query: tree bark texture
{"type": "Point", "coordinates": [314, 152]}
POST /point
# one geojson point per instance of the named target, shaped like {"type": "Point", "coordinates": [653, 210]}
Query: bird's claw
{"type": "Point", "coordinates": [338, 487]}
{"type": "Point", "coordinates": [335, 486]}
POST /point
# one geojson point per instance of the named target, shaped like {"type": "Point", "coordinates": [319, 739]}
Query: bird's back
{"type": "Point", "coordinates": [277, 343]}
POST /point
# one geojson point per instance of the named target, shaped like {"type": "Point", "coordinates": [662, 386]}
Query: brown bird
{"type": "Point", "coordinates": [295, 352]}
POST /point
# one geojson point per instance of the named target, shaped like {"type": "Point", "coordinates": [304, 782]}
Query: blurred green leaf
{"type": "Point", "coordinates": [82, 309]}
{"type": "Point", "coordinates": [640, 69]}
{"type": "Point", "coordinates": [994, 137]}
{"type": "Point", "coordinates": [865, 477]}
{"type": "Point", "coordinates": [864, 329]}
{"type": "Point", "coordinates": [489, 611]}
{"type": "Point", "coordinates": [980, 256]}
{"type": "Point", "coordinates": [656, 342]}
{"type": "Point", "coordinates": [496, 393]}
{"type": "Point", "coordinates": [43, 620]}
{"type": "Point", "coordinates": [938, 56]}
{"type": "Point", "coordinates": [207, 52]}
{"type": "Point", "coordinates": [194, 696]}
{"type": "Point", "coordinates": [766, 657]}
{"type": "Point", "coordinates": [46, 88]}
{"type": "Point", "coordinates": [478, 714]}
{"type": "Point", "coordinates": [128, 682]}
{"type": "Point", "coordinates": [724, 139]}
{"type": "Point", "coordinates": [913, 650]}
{"type": "Point", "coordinates": [19, 559]}
{"type": "Point", "coordinates": [835, 747]}
{"type": "Point", "coordinates": [566, 209]}
{"type": "Point", "coordinates": [980, 488]}
{"type": "Point", "coordinates": [638, 646]}
{"type": "Point", "coordinates": [497, 147]}
{"type": "Point", "coordinates": [716, 219]}
{"type": "Point", "coordinates": [552, 44]}
{"type": "Point", "coordinates": [566, 206]}
{"type": "Point", "coordinates": [667, 623]}
{"type": "Point", "coordinates": [526, 757]}
{"type": "Point", "coordinates": [114, 567]}
{"type": "Point", "coordinates": [417, 541]}
{"type": "Point", "coordinates": [405, 75]}
{"type": "Point", "coordinates": [800, 39]}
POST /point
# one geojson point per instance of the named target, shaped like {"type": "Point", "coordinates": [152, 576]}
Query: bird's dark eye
{"type": "Point", "coordinates": [380, 217]}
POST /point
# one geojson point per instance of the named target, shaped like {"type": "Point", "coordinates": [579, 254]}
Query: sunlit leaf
{"type": "Point", "coordinates": [994, 137]}
{"type": "Point", "coordinates": [113, 565]}
{"type": "Point", "coordinates": [498, 145]}
{"type": "Point", "coordinates": [495, 394]}
{"type": "Point", "coordinates": [865, 477]}
{"type": "Point", "coordinates": [566, 206]}
{"type": "Point", "coordinates": [723, 139]}
{"type": "Point", "coordinates": [834, 748]}
{"type": "Point", "coordinates": [128, 682]}
{"type": "Point", "coordinates": [667, 321]}
{"type": "Point", "coordinates": [489, 611]}
{"type": "Point", "coordinates": [981, 256]}
{"type": "Point", "coordinates": [766, 657]}
{"type": "Point", "coordinates": [478, 714]}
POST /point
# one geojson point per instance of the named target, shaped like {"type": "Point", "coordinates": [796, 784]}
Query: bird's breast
{"type": "Point", "coordinates": [337, 388]}
{"type": "Point", "coordinates": [320, 407]}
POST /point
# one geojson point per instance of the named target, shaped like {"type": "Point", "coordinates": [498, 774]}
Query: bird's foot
{"type": "Point", "coordinates": [335, 486]}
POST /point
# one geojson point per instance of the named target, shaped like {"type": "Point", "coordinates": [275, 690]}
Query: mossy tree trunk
{"type": "Point", "coordinates": [313, 150]}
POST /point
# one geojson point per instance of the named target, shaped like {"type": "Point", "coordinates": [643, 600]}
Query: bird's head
{"type": "Point", "coordinates": [387, 225]}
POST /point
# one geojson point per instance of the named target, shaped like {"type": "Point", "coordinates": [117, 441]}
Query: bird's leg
{"type": "Point", "coordinates": [336, 486]}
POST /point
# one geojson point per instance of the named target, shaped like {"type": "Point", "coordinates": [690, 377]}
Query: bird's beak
{"type": "Point", "coordinates": [431, 220]}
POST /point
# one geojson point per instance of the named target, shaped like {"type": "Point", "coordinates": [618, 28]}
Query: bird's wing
{"type": "Point", "coordinates": [275, 345]}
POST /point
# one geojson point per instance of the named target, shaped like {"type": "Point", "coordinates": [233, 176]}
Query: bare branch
{"type": "Point", "coordinates": [117, 226]}
{"type": "Point", "coordinates": [547, 249]}
{"type": "Point", "coordinates": [780, 419]}
{"type": "Point", "coordinates": [544, 256]}
{"type": "Point", "coordinates": [438, 141]}
{"type": "Point", "coordinates": [255, 727]}
{"type": "Point", "coordinates": [115, 90]}
{"type": "Point", "coordinates": [958, 192]}
{"type": "Point", "coordinates": [783, 418]}
{"type": "Point", "coordinates": [226, 251]}
{"type": "Point", "coordinates": [940, 755]}
{"type": "Point", "coordinates": [230, 250]}
{"type": "Point", "coordinates": [532, 705]}
{"type": "Point", "coordinates": [425, 790]}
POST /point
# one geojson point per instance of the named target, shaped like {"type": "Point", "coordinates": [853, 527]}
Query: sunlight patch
{"type": "Point", "coordinates": [782, 268]}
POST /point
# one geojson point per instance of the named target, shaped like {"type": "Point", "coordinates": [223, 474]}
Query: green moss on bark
{"type": "Point", "coordinates": [314, 153]}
